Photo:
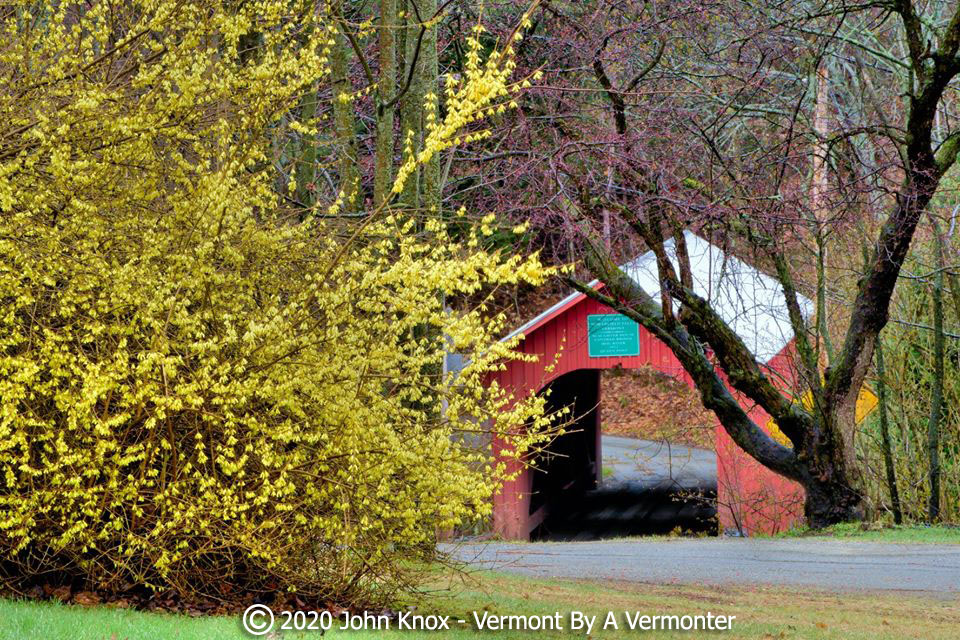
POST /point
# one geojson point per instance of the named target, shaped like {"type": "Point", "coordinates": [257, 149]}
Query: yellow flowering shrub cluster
{"type": "Point", "coordinates": [198, 391]}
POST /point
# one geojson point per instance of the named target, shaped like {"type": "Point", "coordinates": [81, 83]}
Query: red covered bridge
{"type": "Point", "coordinates": [583, 337]}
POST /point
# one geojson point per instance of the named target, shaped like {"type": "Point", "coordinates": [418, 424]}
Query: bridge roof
{"type": "Point", "coordinates": [749, 301]}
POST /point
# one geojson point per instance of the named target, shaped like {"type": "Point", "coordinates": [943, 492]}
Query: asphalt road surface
{"type": "Point", "coordinates": [825, 564]}
{"type": "Point", "coordinates": [630, 462]}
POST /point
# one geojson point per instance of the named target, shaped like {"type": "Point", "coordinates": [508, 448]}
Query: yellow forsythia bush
{"type": "Point", "coordinates": [197, 391]}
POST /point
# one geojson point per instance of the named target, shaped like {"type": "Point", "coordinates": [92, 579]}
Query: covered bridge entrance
{"type": "Point", "coordinates": [582, 337]}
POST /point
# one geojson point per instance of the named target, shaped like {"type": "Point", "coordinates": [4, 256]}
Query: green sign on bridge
{"type": "Point", "coordinates": [612, 334]}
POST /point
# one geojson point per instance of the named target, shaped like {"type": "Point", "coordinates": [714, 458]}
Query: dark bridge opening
{"type": "Point", "coordinates": [571, 465]}
{"type": "Point", "coordinates": [648, 488]}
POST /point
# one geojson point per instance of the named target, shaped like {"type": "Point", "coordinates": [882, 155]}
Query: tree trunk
{"type": "Point", "coordinates": [829, 478]}
{"type": "Point", "coordinates": [829, 503]}
{"type": "Point", "coordinates": [819, 202]}
{"type": "Point", "coordinates": [885, 435]}
{"type": "Point", "coordinates": [411, 106]}
{"type": "Point", "coordinates": [345, 125]}
{"type": "Point", "coordinates": [936, 400]}
{"type": "Point", "coordinates": [386, 88]}
{"type": "Point", "coordinates": [430, 80]}
{"type": "Point", "coordinates": [306, 169]}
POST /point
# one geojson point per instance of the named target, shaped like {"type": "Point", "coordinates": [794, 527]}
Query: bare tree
{"type": "Point", "coordinates": [765, 127]}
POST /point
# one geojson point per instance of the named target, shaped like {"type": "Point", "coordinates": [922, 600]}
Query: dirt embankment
{"type": "Point", "coordinates": [644, 403]}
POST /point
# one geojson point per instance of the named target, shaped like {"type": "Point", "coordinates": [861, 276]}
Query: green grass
{"type": "Point", "coordinates": [42, 620]}
{"type": "Point", "coordinates": [912, 534]}
{"type": "Point", "coordinates": [761, 613]}
{"type": "Point", "coordinates": [865, 532]}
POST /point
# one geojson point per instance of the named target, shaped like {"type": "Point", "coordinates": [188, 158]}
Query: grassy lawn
{"type": "Point", "coordinates": [908, 534]}
{"type": "Point", "coordinates": [761, 613]}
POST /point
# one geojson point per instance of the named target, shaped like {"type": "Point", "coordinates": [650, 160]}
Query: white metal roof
{"type": "Point", "coordinates": [748, 300]}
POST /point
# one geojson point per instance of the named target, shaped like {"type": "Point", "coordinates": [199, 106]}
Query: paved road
{"type": "Point", "coordinates": [825, 564]}
{"type": "Point", "coordinates": [645, 463]}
